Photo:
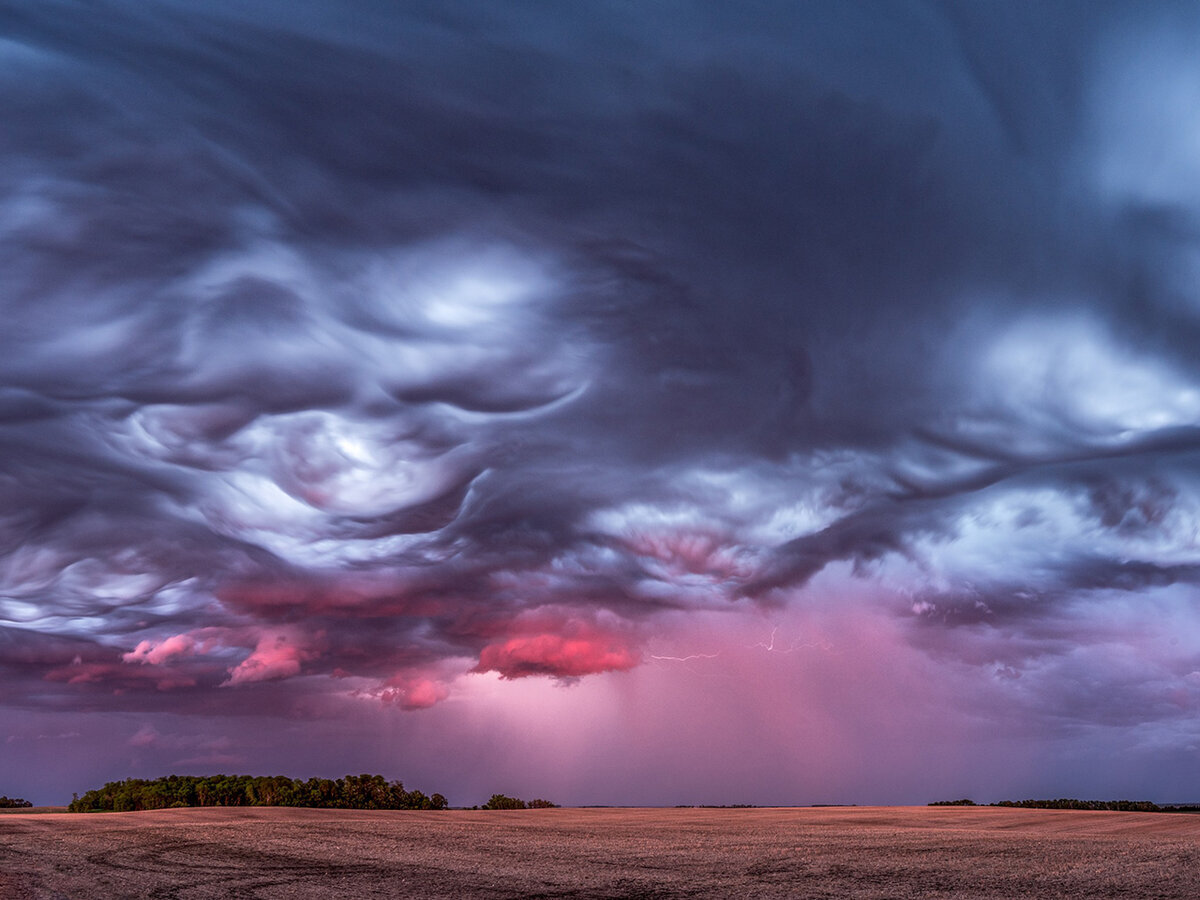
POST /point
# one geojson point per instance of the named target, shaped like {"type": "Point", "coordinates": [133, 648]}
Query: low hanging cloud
{"type": "Point", "coordinates": [568, 652]}
{"type": "Point", "coordinates": [411, 692]}
{"type": "Point", "coordinates": [274, 657]}
{"type": "Point", "coordinates": [148, 652]}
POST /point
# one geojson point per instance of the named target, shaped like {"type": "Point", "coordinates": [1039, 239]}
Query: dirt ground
{"type": "Point", "coordinates": [606, 853]}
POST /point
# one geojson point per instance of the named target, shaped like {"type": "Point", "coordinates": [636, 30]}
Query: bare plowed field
{"type": "Point", "coordinates": [834, 853]}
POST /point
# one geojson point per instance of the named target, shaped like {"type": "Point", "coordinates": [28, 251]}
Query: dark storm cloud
{"type": "Point", "coordinates": [374, 345]}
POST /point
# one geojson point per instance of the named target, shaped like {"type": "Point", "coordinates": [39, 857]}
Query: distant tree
{"type": "Point", "coordinates": [1072, 803]}
{"type": "Point", "coordinates": [350, 792]}
{"type": "Point", "coordinates": [499, 801]}
{"type": "Point", "coordinates": [14, 803]}
{"type": "Point", "coordinates": [962, 802]}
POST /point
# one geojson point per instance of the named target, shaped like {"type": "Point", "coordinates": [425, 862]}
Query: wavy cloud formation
{"type": "Point", "coordinates": [362, 355]}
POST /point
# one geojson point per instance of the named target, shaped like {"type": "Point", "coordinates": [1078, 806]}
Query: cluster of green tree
{"type": "Point", "coordinates": [351, 792]}
{"type": "Point", "coordinates": [499, 801]}
{"type": "Point", "coordinates": [14, 803]}
{"type": "Point", "coordinates": [1071, 803]}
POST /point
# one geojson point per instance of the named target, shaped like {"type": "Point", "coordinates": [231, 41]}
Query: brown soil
{"type": "Point", "coordinates": [660, 853]}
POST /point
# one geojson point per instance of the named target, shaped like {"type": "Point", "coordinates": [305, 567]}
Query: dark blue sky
{"type": "Point", "coordinates": [683, 402]}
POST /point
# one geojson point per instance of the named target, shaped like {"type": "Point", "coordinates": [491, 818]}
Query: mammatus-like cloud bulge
{"type": "Point", "coordinates": [355, 352]}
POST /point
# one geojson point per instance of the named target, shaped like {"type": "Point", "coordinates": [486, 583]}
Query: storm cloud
{"type": "Point", "coordinates": [363, 359]}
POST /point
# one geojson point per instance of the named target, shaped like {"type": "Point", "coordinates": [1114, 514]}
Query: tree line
{"type": "Point", "coordinates": [1071, 803]}
{"type": "Point", "coordinates": [14, 803]}
{"type": "Point", "coordinates": [351, 792]}
{"type": "Point", "coordinates": [499, 801]}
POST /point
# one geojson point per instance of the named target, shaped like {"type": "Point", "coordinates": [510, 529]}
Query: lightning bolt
{"type": "Point", "coordinates": [795, 645]}
{"type": "Point", "coordinates": [687, 658]}
{"type": "Point", "coordinates": [691, 664]}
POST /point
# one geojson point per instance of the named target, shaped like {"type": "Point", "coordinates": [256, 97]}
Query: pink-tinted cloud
{"type": "Point", "coordinates": [155, 653]}
{"type": "Point", "coordinates": [690, 552]}
{"type": "Point", "coordinates": [577, 649]}
{"type": "Point", "coordinates": [120, 677]}
{"type": "Point", "coordinates": [414, 692]}
{"type": "Point", "coordinates": [275, 653]}
{"type": "Point", "coordinates": [276, 656]}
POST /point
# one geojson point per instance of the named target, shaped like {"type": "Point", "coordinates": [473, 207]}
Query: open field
{"type": "Point", "coordinates": [664, 853]}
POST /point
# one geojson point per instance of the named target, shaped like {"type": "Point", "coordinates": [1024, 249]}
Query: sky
{"type": "Point", "coordinates": [620, 403]}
